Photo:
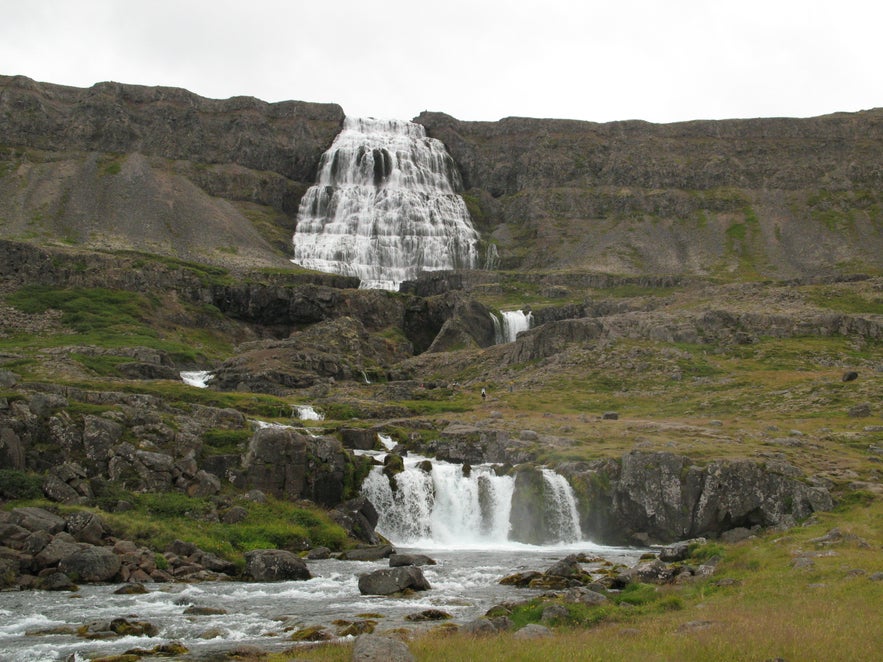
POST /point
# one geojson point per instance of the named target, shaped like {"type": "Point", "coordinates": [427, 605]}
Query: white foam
{"type": "Point", "coordinates": [197, 378]}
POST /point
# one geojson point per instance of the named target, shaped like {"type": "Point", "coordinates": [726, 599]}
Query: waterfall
{"type": "Point", "coordinates": [561, 506]}
{"type": "Point", "coordinates": [498, 330]}
{"type": "Point", "coordinates": [491, 258]}
{"type": "Point", "coordinates": [513, 323]}
{"type": "Point", "coordinates": [449, 507]}
{"type": "Point", "coordinates": [306, 413]}
{"type": "Point", "coordinates": [385, 207]}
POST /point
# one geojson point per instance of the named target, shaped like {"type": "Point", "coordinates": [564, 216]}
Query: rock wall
{"type": "Point", "coordinates": [789, 196]}
{"type": "Point", "coordinates": [143, 444]}
{"type": "Point", "coordinates": [661, 497]}
{"type": "Point", "coordinates": [157, 169]}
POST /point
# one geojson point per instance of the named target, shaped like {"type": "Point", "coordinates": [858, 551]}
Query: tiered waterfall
{"type": "Point", "coordinates": [385, 207]}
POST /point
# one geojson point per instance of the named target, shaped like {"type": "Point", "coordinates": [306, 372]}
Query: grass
{"type": "Point", "coordinates": [87, 310]}
{"type": "Point", "coordinates": [158, 519]}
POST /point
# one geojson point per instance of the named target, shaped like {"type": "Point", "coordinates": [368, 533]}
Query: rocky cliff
{"type": "Point", "coordinates": [157, 169]}
{"type": "Point", "coordinates": [164, 170]}
{"type": "Point", "coordinates": [778, 197]}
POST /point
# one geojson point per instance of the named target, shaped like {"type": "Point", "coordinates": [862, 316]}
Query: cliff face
{"type": "Point", "coordinates": [778, 197]}
{"type": "Point", "coordinates": [157, 169]}
{"type": "Point", "coordinates": [165, 171]}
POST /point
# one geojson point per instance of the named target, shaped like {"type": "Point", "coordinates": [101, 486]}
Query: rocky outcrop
{"type": "Point", "coordinates": [120, 165]}
{"type": "Point", "coordinates": [663, 497]}
{"type": "Point", "coordinates": [40, 549]}
{"type": "Point", "coordinates": [358, 517]}
{"type": "Point", "coordinates": [706, 327]}
{"type": "Point", "coordinates": [286, 137]}
{"type": "Point", "coordinates": [291, 465]}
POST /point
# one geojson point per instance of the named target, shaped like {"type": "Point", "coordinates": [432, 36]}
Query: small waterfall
{"type": "Point", "coordinates": [491, 258]}
{"type": "Point", "coordinates": [197, 378]}
{"type": "Point", "coordinates": [306, 413]}
{"type": "Point", "coordinates": [513, 323]}
{"type": "Point", "coordinates": [561, 506]}
{"type": "Point", "coordinates": [385, 207]}
{"type": "Point", "coordinates": [498, 330]}
{"type": "Point", "coordinates": [448, 507]}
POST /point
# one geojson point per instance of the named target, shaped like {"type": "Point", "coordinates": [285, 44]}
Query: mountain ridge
{"type": "Point", "coordinates": [118, 166]}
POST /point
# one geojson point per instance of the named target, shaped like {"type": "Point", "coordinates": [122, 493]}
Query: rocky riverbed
{"type": "Point", "coordinates": [212, 616]}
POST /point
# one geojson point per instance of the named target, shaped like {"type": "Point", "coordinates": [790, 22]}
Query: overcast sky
{"type": "Point", "coordinates": [657, 60]}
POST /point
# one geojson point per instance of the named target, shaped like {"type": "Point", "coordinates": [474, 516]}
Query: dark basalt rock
{"type": "Point", "coordinates": [393, 580]}
{"type": "Point", "coordinates": [273, 565]}
{"type": "Point", "coordinates": [92, 564]}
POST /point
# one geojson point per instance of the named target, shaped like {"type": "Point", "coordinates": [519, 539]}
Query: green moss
{"type": "Point", "coordinates": [222, 441]}
{"type": "Point", "coordinates": [16, 484]}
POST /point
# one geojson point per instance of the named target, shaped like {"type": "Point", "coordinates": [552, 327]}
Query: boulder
{"type": "Point", "coordinates": [392, 580]}
{"type": "Point", "coordinates": [479, 627]}
{"type": "Point", "coordinates": [533, 631]}
{"type": "Point", "coordinates": [9, 570]}
{"type": "Point", "coordinates": [569, 566]}
{"type": "Point", "coordinates": [272, 565]}
{"type": "Point", "coordinates": [56, 581]}
{"type": "Point", "coordinates": [429, 615]}
{"type": "Point", "coordinates": [291, 465]}
{"type": "Point", "coordinates": [859, 411]}
{"type": "Point", "coordinates": [86, 527]}
{"type": "Point", "coordinates": [37, 519]}
{"type": "Point", "coordinates": [13, 535]}
{"type": "Point", "coordinates": [118, 627]}
{"type": "Point", "coordinates": [374, 648]}
{"type": "Point", "coordinates": [56, 550]}
{"type": "Point", "coordinates": [205, 484]}
{"type": "Point", "coordinates": [368, 553]}
{"type": "Point", "coordinates": [8, 379]}
{"type": "Point", "coordinates": [234, 515]}
{"type": "Point", "coordinates": [92, 564]}
{"type": "Point", "coordinates": [358, 517]}
{"type": "Point", "coordinates": [358, 438]}
{"type": "Point", "coordinates": [400, 560]}
{"type": "Point", "coordinates": [12, 451]}
{"type": "Point", "coordinates": [36, 542]}
{"type": "Point", "coordinates": [217, 564]}
{"type": "Point", "coordinates": [675, 552]}
{"type": "Point", "coordinates": [649, 572]}
{"type": "Point", "coordinates": [521, 579]}
{"type": "Point", "coordinates": [584, 595]}
{"type": "Point", "coordinates": [56, 489]}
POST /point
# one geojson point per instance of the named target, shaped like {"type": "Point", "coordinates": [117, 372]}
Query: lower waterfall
{"type": "Point", "coordinates": [509, 324]}
{"type": "Point", "coordinates": [449, 506]}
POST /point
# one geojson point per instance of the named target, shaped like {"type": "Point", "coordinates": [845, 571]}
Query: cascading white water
{"type": "Point", "coordinates": [561, 506]}
{"type": "Point", "coordinates": [447, 507]}
{"type": "Point", "coordinates": [510, 324]}
{"type": "Point", "coordinates": [498, 330]}
{"type": "Point", "coordinates": [385, 207]}
{"type": "Point", "coordinates": [306, 413]}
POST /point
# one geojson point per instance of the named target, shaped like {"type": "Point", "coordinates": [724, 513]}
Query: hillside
{"type": "Point", "coordinates": [705, 363]}
{"type": "Point", "coordinates": [161, 169]}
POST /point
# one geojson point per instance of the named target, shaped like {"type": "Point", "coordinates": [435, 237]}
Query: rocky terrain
{"type": "Point", "coordinates": [704, 361]}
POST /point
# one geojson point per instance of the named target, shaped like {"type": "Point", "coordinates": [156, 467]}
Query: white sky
{"type": "Point", "coordinates": [657, 60]}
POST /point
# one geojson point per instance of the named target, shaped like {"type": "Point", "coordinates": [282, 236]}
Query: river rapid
{"type": "Point", "coordinates": [465, 583]}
